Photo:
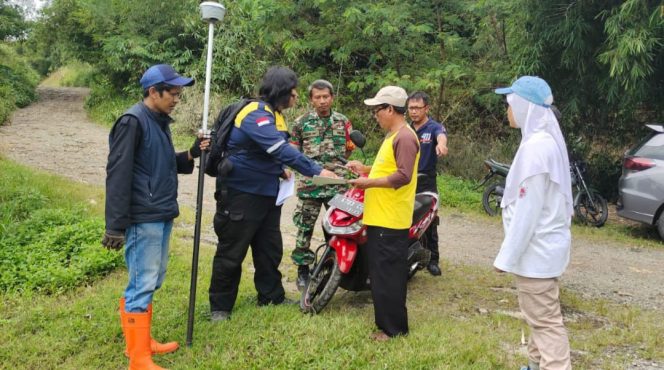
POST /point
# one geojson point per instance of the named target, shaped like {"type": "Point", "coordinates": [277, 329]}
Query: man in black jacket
{"type": "Point", "coordinates": [141, 202]}
{"type": "Point", "coordinates": [247, 213]}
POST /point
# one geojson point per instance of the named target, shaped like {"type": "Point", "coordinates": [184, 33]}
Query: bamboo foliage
{"type": "Point", "coordinates": [603, 58]}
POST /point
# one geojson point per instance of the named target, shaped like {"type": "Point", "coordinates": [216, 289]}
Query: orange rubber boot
{"type": "Point", "coordinates": [156, 347]}
{"type": "Point", "coordinates": [161, 348]}
{"type": "Point", "coordinates": [136, 327]}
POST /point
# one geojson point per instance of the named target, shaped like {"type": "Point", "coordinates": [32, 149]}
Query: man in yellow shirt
{"type": "Point", "coordinates": [388, 210]}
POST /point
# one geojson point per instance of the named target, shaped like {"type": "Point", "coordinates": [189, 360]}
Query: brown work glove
{"type": "Point", "coordinates": [113, 239]}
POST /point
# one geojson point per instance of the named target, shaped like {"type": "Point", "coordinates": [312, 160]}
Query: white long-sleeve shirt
{"type": "Point", "coordinates": [537, 231]}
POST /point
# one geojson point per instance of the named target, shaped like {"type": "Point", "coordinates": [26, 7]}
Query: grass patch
{"type": "Point", "coordinates": [49, 233]}
{"type": "Point", "coordinates": [458, 193]}
{"type": "Point", "coordinates": [467, 319]}
{"type": "Point", "coordinates": [634, 235]}
{"type": "Point", "coordinates": [464, 320]}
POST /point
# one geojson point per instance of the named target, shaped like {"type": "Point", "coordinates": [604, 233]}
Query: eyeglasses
{"type": "Point", "coordinates": [175, 94]}
{"type": "Point", "coordinates": [379, 108]}
{"type": "Point", "coordinates": [416, 108]}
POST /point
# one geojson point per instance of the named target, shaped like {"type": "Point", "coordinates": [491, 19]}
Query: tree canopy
{"type": "Point", "coordinates": [12, 21]}
{"type": "Point", "coordinates": [604, 59]}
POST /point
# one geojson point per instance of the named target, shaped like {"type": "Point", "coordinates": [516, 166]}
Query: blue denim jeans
{"type": "Point", "coordinates": [146, 255]}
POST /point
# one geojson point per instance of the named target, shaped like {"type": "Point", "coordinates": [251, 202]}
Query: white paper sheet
{"type": "Point", "coordinates": [286, 189]}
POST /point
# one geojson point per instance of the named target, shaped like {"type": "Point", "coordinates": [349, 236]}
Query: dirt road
{"type": "Point", "coordinates": [55, 135]}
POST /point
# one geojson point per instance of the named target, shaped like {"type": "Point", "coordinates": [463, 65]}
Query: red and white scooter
{"type": "Point", "coordinates": [342, 260]}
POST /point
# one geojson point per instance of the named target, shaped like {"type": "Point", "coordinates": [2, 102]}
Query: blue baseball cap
{"type": "Point", "coordinates": [163, 73]}
{"type": "Point", "coordinates": [533, 89]}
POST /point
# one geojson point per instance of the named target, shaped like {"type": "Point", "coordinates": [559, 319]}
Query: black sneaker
{"type": "Point", "coordinates": [302, 277]}
{"type": "Point", "coordinates": [434, 269]}
{"type": "Point", "coordinates": [285, 301]}
{"type": "Point", "coordinates": [288, 301]}
{"type": "Point", "coordinates": [217, 316]}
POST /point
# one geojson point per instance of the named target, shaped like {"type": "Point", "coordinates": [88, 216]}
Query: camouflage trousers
{"type": "Point", "coordinates": [304, 218]}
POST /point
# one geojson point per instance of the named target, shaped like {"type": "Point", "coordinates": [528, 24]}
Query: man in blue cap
{"type": "Point", "coordinates": [141, 202]}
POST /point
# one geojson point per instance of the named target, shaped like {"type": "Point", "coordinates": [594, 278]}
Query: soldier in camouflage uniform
{"type": "Point", "coordinates": [322, 135]}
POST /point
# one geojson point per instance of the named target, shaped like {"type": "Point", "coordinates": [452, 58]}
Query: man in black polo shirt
{"type": "Point", "coordinates": [433, 144]}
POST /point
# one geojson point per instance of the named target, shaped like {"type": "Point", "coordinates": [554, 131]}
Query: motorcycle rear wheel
{"type": "Point", "coordinates": [416, 260]}
{"type": "Point", "coordinates": [322, 286]}
{"type": "Point", "coordinates": [593, 213]}
{"type": "Point", "coordinates": [492, 197]}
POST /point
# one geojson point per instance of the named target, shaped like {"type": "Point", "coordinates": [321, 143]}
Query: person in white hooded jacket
{"type": "Point", "coordinates": [537, 210]}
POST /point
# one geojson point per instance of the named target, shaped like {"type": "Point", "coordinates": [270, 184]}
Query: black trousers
{"type": "Point", "coordinates": [388, 271]}
{"type": "Point", "coordinates": [244, 220]}
{"type": "Point", "coordinates": [428, 183]}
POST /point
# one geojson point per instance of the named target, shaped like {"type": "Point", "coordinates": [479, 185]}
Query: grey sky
{"type": "Point", "coordinates": [31, 7]}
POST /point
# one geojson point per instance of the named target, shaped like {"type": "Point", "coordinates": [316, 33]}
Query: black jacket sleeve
{"type": "Point", "coordinates": [123, 140]}
{"type": "Point", "coordinates": [183, 163]}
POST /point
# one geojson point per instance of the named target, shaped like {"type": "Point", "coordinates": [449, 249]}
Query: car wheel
{"type": "Point", "coordinates": [660, 226]}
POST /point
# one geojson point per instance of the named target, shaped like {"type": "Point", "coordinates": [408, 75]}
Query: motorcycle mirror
{"type": "Point", "coordinates": [358, 139]}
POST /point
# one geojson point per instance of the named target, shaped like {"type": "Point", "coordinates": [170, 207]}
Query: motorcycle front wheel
{"type": "Point", "coordinates": [591, 208]}
{"type": "Point", "coordinates": [492, 197]}
{"type": "Point", "coordinates": [322, 284]}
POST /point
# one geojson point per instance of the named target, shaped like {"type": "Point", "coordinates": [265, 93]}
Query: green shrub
{"type": "Point", "coordinates": [15, 206]}
{"type": "Point", "coordinates": [466, 155]}
{"type": "Point", "coordinates": [47, 243]}
{"type": "Point", "coordinates": [604, 170]}
{"type": "Point", "coordinates": [7, 103]}
{"type": "Point", "coordinates": [78, 74]}
{"type": "Point", "coordinates": [54, 250]}
{"type": "Point", "coordinates": [22, 90]}
{"type": "Point", "coordinates": [17, 82]}
{"type": "Point", "coordinates": [105, 104]}
{"type": "Point", "coordinates": [188, 115]}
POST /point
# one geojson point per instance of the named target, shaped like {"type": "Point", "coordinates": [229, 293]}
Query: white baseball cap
{"type": "Point", "coordinates": [392, 95]}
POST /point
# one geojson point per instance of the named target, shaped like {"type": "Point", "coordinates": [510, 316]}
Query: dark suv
{"type": "Point", "coordinates": [641, 186]}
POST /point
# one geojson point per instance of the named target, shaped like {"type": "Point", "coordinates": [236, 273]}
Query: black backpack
{"type": "Point", "coordinates": [217, 165]}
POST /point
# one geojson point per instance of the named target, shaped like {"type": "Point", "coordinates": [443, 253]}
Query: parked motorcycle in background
{"type": "Point", "coordinates": [589, 206]}
{"type": "Point", "coordinates": [493, 194]}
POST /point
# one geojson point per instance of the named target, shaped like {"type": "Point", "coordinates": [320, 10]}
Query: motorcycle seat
{"type": "Point", "coordinates": [500, 168]}
{"type": "Point", "coordinates": [422, 204]}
